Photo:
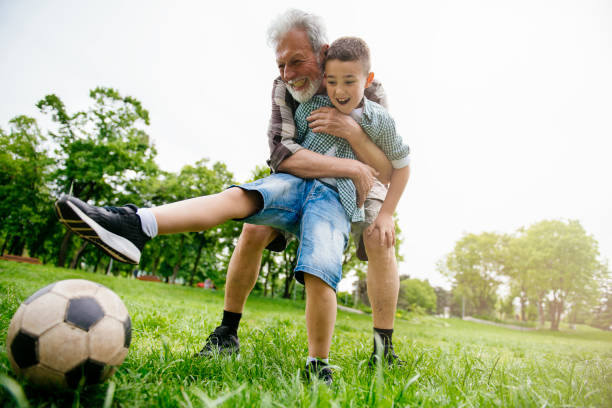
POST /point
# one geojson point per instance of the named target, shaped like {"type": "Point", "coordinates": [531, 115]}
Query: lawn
{"type": "Point", "coordinates": [449, 362]}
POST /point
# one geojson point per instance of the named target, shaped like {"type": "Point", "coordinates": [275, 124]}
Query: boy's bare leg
{"type": "Point", "coordinates": [321, 309]}
{"type": "Point", "coordinates": [244, 265]}
{"type": "Point", "coordinates": [201, 213]}
{"type": "Point", "coordinates": [382, 281]}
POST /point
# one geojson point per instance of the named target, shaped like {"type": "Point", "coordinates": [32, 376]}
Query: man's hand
{"type": "Point", "coordinates": [363, 179]}
{"type": "Point", "coordinates": [331, 121]}
{"type": "Point", "coordinates": [383, 228]}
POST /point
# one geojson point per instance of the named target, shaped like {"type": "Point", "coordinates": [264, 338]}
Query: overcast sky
{"type": "Point", "coordinates": [506, 105]}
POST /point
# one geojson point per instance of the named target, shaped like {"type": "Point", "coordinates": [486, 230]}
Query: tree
{"type": "Point", "coordinates": [517, 257]}
{"type": "Point", "coordinates": [602, 316]}
{"type": "Point", "coordinates": [417, 295]}
{"type": "Point", "coordinates": [24, 173]}
{"type": "Point", "coordinates": [443, 299]}
{"type": "Point", "coordinates": [565, 260]}
{"type": "Point", "coordinates": [99, 151]}
{"type": "Point", "coordinates": [475, 267]}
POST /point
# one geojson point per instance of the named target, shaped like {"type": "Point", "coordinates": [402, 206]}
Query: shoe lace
{"type": "Point", "coordinates": [216, 337]}
{"type": "Point", "coordinates": [119, 210]}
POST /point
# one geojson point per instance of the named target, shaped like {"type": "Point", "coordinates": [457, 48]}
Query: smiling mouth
{"type": "Point", "coordinates": [343, 101]}
{"type": "Point", "coordinates": [298, 83]}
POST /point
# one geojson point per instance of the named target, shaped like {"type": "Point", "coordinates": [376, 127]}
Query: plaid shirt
{"type": "Point", "coordinates": [282, 131]}
{"type": "Point", "coordinates": [377, 124]}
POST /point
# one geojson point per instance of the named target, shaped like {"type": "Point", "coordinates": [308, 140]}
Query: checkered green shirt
{"type": "Point", "coordinates": [375, 122]}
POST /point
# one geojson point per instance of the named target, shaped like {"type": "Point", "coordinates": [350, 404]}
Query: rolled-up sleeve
{"type": "Point", "coordinates": [281, 130]}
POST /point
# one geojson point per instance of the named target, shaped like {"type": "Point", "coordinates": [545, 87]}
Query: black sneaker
{"type": "Point", "coordinates": [389, 357]}
{"type": "Point", "coordinates": [321, 370]}
{"type": "Point", "coordinates": [116, 230]}
{"type": "Point", "coordinates": [221, 341]}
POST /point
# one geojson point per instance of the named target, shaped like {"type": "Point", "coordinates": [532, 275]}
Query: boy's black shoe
{"type": "Point", "coordinates": [389, 357]}
{"type": "Point", "coordinates": [221, 341]}
{"type": "Point", "coordinates": [320, 370]}
{"type": "Point", "coordinates": [116, 230]}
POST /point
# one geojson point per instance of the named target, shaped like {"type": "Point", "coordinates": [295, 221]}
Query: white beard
{"type": "Point", "coordinates": [306, 94]}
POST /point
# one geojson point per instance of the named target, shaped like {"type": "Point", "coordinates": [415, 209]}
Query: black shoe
{"type": "Point", "coordinates": [116, 230]}
{"type": "Point", "coordinates": [321, 370]}
{"type": "Point", "coordinates": [389, 357]}
{"type": "Point", "coordinates": [221, 341]}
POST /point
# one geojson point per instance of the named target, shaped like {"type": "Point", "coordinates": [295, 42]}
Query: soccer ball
{"type": "Point", "coordinates": [69, 332]}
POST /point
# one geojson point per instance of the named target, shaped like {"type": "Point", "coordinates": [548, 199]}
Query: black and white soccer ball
{"type": "Point", "coordinates": [69, 333]}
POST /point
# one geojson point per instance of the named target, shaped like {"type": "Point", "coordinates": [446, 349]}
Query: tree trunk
{"type": "Point", "coordinates": [556, 311]}
{"type": "Point", "coordinates": [158, 258]}
{"type": "Point", "coordinates": [362, 292]}
{"type": "Point", "coordinates": [197, 260]}
{"type": "Point", "coordinates": [15, 244]}
{"type": "Point", "coordinates": [523, 309]}
{"type": "Point", "coordinates": [63, 252]}
{"type": "Point", "coordinates": [45, 234]}
{"type": "Point", "coordinates": [541, 311]}
{"type": "Point", "coordinates": [288, 282]}
{"type": "Point", "coordinates": [267, 280]}
{"type": "Point", "coordinates": [77, 256]}
{"type": "Point", "coordinates": [109, 268]}
{"type": "Point", "coordinates": [266, 264]}
{"type": "Point", "coordinates": [97, 261]}
{"type": "Point", "coordinates": [179, 260]}
{"type": "Point", "coordinates": [6, 239]}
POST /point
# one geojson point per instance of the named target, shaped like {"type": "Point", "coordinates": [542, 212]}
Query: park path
{"type": "Point", "coordinates": [350, 309]}
{"type": "Point", "coordinates": [507, 326]}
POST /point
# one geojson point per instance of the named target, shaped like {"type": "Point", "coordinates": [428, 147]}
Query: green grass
{"type": "Point", "coordinates": [450, 362]}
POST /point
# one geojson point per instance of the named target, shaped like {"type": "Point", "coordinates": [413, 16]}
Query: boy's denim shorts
{"type": "Point", "coordinates": [311, 211]}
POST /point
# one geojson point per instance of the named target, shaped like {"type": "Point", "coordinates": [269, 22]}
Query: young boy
{"type": "Point", "coordinates": [347, 72]}
{"type": "Point", "coordinates": [311, 209]}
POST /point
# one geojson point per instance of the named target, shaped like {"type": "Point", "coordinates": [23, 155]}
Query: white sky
{"type": "Point", "coordinates": [506, 105]}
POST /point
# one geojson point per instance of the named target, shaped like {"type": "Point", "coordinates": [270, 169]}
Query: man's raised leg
{"type": "Point", "coordinates": [122, 232]}
{"type": "Point", "coordinates": [383, 289]}
{"type": "Point", "coordinates": [242, 275]}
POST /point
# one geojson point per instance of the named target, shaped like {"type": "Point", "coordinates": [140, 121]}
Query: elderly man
{"type": "Point", "coordinates": [300, 45]}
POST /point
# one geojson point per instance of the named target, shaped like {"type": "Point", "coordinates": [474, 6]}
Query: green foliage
{"type": "Point", "coordinates": [102, 149]}
{"type": "Point", "coordinates": [417, 295]}
{"type": "Point", "coordinates": [551, 267]}
{"type": "Point", "coordinates": [565, 266]}
{"type": "Point", "coordinates": [450, 362]}
{"type": "Point", "coordinates": [475, 266]}
{"type": "Point", "coordinates": [24, 175]}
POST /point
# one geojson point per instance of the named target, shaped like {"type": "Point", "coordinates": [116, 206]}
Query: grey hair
{"type": "Point", "coordinates": [293, 18]}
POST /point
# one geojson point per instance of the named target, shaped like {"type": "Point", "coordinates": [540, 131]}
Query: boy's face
{"type": "Point", "coordinates": [346, 82]}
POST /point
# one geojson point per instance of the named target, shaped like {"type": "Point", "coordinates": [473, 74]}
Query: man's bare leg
{"type": "Point", "coordinates": [383, 290]}
{"type": "Point", "coordinates": [244, 265]}
{"type": "Point", "coordinates": [242, 275]}
{"type": "Point", "coordinates": [382, 281]}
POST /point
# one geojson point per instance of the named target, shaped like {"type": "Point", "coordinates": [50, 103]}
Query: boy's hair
{"type": "Point", "coordinates": [293, 18]}
{"type": "Point", "coordinates": [350, 49]}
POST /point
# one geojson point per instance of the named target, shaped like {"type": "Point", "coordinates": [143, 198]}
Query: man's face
{"type": "Point", "coordinates": [299, 66]}
{"type": "Point", "coordinates": [346, 82]}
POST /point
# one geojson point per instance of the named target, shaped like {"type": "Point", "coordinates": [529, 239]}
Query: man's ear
{"type": "Point", "coordinates": [323, 52]}
{"type": "Point", "coordinates": [369, 79]}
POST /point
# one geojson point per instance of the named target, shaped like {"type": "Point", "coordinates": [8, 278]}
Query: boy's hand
{"type": "Point", "coordinates": [363, 178]}
{"type": "Point", "coordinates": [384, 229]}
{"type": "Point", "coordinates": [331, 121]}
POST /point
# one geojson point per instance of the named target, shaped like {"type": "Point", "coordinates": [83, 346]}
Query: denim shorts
{"type": "Point", "coordinates": [311, 211]}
